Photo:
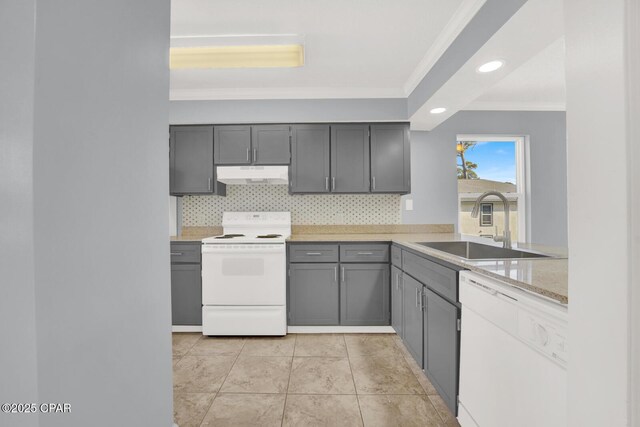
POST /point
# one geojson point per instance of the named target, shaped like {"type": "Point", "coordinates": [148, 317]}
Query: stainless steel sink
{"type": "Point", "coordinates": [479, 251]}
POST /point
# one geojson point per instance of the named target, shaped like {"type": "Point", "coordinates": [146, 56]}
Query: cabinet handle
{"type": "Point", "coordinates": [335, 274]}
{"type": "Point", "coordinates": [176, 253]}
{"type": "Point", "coordinates": [314, 253]}
{"type": "Point", "coordinates": [248, 154]}
{"type": "Point", "coordinates": [417, 293]}
{"type": "Point", "coordinates": [373, 179]}
{"type": "Point", "coordinates": [255, 154]}
{"type": "Point", "coordinates": [421, 306]}
{"type": "Point", "coordinates": [209, 183]}
{"type": "Point", "coordinates": [397, 282]}
{"type": "Point", "coordinates": [342, 274]}
{"type": "Point", "coordinates": [365, 253]}
{"type": "Point", "coordinates": [326, 183]}
{"type": "Point", "coordinates": [333, 183]}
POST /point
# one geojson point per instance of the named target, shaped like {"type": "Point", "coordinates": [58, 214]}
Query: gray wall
{"type": "Point", "coordinates": [94, 141]}
{"type": "Point", "coordinates": [18, 375]}
{"type": "Point", "coordinates": [434, 182]}
{"type": "Point", "coordinates": [288, 110]}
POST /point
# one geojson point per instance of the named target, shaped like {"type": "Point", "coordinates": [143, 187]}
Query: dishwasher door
{"type": "Point", "coordinates": [513, 357]}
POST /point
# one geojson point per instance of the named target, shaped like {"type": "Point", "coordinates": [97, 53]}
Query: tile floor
{"type": "Point", "coordinates": [302, 380]}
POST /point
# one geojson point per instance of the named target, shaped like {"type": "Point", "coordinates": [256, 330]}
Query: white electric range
{"type": "Point", "coordinates": [244, 275]}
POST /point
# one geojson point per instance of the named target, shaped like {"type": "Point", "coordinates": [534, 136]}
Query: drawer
{"type": "Point", "coordinates": [313, 253]}
{"type": "Point", "coordinates": [186, 252]}
{"type": "Point", "coordinates": [396, 256]}
{"type": "Point", "coordinates": [436, 277]}
{"type": "Point", "coordinates": [364, 253]}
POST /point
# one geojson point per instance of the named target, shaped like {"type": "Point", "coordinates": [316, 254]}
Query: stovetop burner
{"type": "Point", "coordinates": [229, 236]}
{"type": "Point", "coordinates": [269, 236]}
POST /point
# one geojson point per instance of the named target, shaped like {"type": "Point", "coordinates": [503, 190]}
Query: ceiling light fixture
{"type": "Point", "coordinates": [490, 66]}
{"type": "Point", "coordinates": [438, 110]}
{"type": "Point", "coordinates": [240, 56]}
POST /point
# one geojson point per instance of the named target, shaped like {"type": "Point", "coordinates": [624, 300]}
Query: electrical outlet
{"type": "Point", "coordinates": [408, 205]}
{"type": "Point", "coordinates": [339, 218]}
{"type": "Point", "coordinates": [202, 219]}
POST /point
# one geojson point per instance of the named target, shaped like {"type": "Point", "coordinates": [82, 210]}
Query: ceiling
{"type": "Point", "coordinates": [532, 77]}
{"type": "Point", "coordinates": [538, 84]}
{"type": "Point", "coordinates": [353, 48]}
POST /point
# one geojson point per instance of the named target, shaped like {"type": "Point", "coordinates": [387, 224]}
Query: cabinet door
{"type": "Point", "coordinates": [441, 346]}
{"type": "Point", "coordinates": [364, 294]}
{"type": "Point", "coordinates": [310, 159]}
{"type": "Point", "coordinates": [314, 294]}
{"type": "Point", "coordinates": [271, 145]}
{"type": "Point", "coordinates": [232, 145]}
{"type": "Point", "coordinates": [186, 294]}
{"type": "Point", "coordinates": [396, 300]}
{"type": "Point", "coordinates": [390, 159]}
{"type": "Point", "coordinates": [350, 159]}
{"type": "Point", "coordinates": [191, 160]}
{"type": "Point", "coordinates": [412, 316]}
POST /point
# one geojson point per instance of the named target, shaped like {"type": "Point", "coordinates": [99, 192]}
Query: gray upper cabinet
{"type": "Point", "coordinates": [441, 342]}
{"type": "Point", "coordinates": [350, 158]}
{"type": "Point", "coordinates": [314, 295]}
{"type": "Point", "coordinates": [364, 294]}
{"type": "Point", "coordinates": [191, 168]}
{"type": "Point", "coordinates": [390, 159]}
{"type": "Point", "coordinates": [310, 159]}
{"type": "Point", "coordinates": [396, 300]}
{"type": "Point", "coordinates": [412, 316]}
{"type": "Point", "coordinates": [271, 145]}
{"type": "Point", "coordinates": [233, 145]}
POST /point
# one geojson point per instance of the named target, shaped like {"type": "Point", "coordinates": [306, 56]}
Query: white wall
{"type": "Point", "coordinates": [93, 141]}
{"type": "Point", "coordinates": [434, 177]}
{"type": "Point", "coordinates": [599, 265]}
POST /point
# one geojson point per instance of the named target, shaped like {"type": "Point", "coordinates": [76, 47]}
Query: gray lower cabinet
{"type": "Point", "coordinates": [390, 159]}
{"type": "Point", "coordinates": [350, 160]}
{"type": "Point", "coordinates": [186, 283]}
{"type": "Point", "coordinates": [233, 145]}
{"type": "Point", "coordinates": [364, 294]}
{"type": "Point", "coordinates": [412, 316]}
{"type": "Point", "coordinates": [310, 159]}
{"type": "Point", "coordinates": [396, 300]}
{"type": "Point", "coordinates": [186, 294]}
{"type": "Point", "coordinates": [271, 145]}
{"type": "Point", "coordinates": [314, 294]}
{"type": "Point", "coordinates": [191, 158]}
{"type": "Point", "coordinates": [441, 346]}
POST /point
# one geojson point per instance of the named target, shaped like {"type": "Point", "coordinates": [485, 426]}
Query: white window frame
{"type": "Point", "coordinates": [523, 179]}
{"type": "Point", "coordinates": [482, 214]}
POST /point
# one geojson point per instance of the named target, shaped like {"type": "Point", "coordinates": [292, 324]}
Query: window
{"type": "Point", "coordinates": [486, 214]}
{"type": "Point", "coordinates": [488, 163]}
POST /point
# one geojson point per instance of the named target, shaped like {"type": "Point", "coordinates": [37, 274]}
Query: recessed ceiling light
{"type": "Point", "coordinates": [438, 110]}
{"type": "Point", "coordinates": [490, 66]}
{"type": "Point", "coordinates": [241, 56]}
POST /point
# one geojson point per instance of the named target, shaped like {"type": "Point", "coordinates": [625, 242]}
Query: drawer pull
{"type": "Point", "coordinates": [176, 254]}
{"type": "Point", "coordinates": [314, 253]}
{"type": "Point", "coordinates": [365, 253]}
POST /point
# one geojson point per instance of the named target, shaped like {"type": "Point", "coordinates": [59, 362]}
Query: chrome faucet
{"type": "Point", "coordinates": [506, 236]}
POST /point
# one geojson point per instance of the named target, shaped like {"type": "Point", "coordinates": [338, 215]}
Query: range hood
{"type": "Point", "coordinates": [235, 175]}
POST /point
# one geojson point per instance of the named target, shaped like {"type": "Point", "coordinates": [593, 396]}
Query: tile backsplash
{"type": "Point", "coordinates": [305, 209]}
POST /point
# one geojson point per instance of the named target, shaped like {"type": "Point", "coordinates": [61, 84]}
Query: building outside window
{"type": "Point", "coordinates": [492, 163]}
{"type": "Point", "coordinates": [486, 214]}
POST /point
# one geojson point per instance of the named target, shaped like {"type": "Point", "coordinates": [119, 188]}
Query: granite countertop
{"type": "Point", "coordinates": [547, 277]}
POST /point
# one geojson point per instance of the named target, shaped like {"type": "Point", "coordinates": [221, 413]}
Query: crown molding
{"type": "Point", "coordinates": [284, 93]}
{"type": "Point", "coordinates": [460, 19]}
{"type": "Point", "coordinates": [515, 106]}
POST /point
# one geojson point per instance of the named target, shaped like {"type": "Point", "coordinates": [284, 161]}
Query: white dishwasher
{"type": "Point", "coordinates": [513, 356]}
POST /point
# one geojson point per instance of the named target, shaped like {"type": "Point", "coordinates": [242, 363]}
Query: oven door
{"type": "Point", "coordinates": [243, 274]}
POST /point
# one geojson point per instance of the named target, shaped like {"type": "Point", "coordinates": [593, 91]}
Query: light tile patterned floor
{"type": "Point", "coordinates": [302, 380]}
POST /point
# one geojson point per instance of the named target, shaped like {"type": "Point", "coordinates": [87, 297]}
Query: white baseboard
{"type": "Point", "coordinates": [340, 330]}
{"type": "Point", "coordinates": [186, 328]}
